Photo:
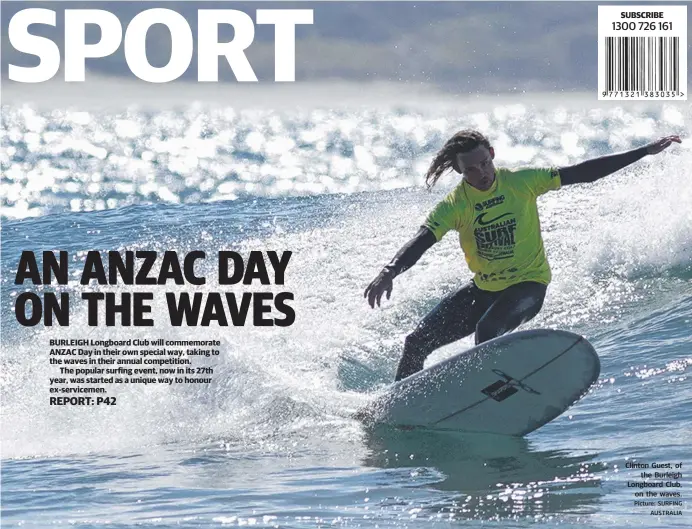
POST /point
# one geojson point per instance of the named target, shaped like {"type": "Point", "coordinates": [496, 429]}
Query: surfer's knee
{"type": "Point", "coordinates": [535, 307]}
{"type": "Point", "coordinates": [524, 304]}
{"type": "Point", "coordinates": [494, 325]}
{"type": "Point", "coordinates": [487, 329]}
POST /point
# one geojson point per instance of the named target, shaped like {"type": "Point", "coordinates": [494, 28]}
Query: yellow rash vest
{"type": "Point", "coordinates": [499, 229]}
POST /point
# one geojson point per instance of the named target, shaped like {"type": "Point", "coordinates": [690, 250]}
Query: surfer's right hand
{"type": "Point", "coordinates": [381, 284]}
{"type": "Point", "coordinates": [662, 144]}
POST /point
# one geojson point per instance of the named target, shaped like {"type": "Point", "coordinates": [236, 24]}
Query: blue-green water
{"type": "Point", "coordinates": [270, 441]}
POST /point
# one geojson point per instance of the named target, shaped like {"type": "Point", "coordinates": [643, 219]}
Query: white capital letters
{"type": "Point", "coordinates": [181, 45]}
{"type": "Point", "coordinates": [210, 48]}
{"type": "Point", "coordinates": [285, 21]}
{"type": "Point", "coordinates": [76, 50]}
{"type": "Point", "coordinates": [23, 41]}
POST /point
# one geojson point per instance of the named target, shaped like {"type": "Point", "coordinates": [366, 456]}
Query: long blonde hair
{"type": "Point", "coordinates": [446, 158]}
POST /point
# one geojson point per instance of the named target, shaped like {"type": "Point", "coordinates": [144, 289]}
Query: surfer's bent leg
{"type": "Point", "coordinates": [454, 318]}
{"type": "Point", "coordinates": [514, 305]}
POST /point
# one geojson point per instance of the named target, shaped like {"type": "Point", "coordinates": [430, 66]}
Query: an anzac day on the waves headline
{"type": "Point", "coordinates": [156, 269]}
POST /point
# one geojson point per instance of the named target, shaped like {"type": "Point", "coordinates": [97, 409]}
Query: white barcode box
{"type": "Point", "coordinates": [642, 52]}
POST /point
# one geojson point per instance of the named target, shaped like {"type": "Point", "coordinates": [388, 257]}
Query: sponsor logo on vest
{"type": "Point", "coordinates": [480, 219]}
{"type": "Point", "coordinates": [487, 204]}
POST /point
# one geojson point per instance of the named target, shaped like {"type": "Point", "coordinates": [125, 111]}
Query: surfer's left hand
{"type": "Point", "coordinates": [662, 144]}
{"type": "Point", "coordinates": [380, 285]}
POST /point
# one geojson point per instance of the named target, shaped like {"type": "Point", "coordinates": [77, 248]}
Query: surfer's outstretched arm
{"type": "Point", "coordinates": [592, 170]}
{"type": "Point", "coordinates": [403, 260]}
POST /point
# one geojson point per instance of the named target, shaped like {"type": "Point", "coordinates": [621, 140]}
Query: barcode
{"type": "Point", "coordinates": [642, 64]}
{"type": "Point", "coordinates": [642, 53]}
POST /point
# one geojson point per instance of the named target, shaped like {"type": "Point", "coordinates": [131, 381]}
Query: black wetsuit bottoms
{"type": "Point", "coordinates": [468, 310]}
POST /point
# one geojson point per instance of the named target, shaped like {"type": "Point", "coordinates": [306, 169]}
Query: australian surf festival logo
{"type": "Point", "coordinates": [493, 231]}
{"type": "Point", "coordinates": [494, 235]}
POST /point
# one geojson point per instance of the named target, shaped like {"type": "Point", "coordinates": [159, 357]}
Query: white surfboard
{"type": "Point", "coordinates": [510, 385]}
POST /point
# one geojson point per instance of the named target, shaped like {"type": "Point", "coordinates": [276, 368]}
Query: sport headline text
{"type": "Point", "coordinates": [134, 39]}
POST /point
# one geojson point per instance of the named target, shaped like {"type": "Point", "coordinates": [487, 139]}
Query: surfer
{"type": "Point", "coordinates": [494, 211]}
